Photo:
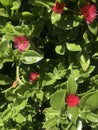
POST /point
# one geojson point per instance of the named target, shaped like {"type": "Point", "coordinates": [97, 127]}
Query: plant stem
{"type": "Point", "coordinates": [17, 75]}
{"type": "Point", "coordinates": [7, 90]}
{"type": "Point", "coordinates": [17, 72]}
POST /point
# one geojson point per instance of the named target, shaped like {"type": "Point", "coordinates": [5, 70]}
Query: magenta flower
{"type": "Point", "coordinates": [33, 76]}
{"type": "Point", "coordinates": [58, 8]}
{"type": "Point", "coordinates": [89, 12]}
{"type": "Point", "coordinates": [21, 43]}
{"type": "Point", "coordinates": [72, 100]}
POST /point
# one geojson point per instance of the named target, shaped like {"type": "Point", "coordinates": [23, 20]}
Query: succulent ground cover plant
{"type": "Point", "coordinates": [48, 65]}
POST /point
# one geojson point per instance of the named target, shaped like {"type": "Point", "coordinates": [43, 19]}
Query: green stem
{"type": "Point", "coordinates": [7, 89]}
{"type": "Point", "coordinates": [17, 74]}
{"type": "Point", "coordinates": [82, 94]}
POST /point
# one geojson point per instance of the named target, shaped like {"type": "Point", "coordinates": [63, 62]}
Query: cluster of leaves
{"type": "Point", "coordinates": [63, 50]}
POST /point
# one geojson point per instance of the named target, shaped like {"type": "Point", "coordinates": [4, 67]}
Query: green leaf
{"type": "Point", "coordinates": [50, 123]}
{"type": "Point", "coordinates": [73, 114]}
{"type": "Point", "coordinates": [9, 37]}
{"type": "Point", "coordinates": [60, 49]}
{"type": "Point", "coordinates": [24, 91]}
{"type": "Point", "coordinates": [79, 125]}
{"type": "Point", "coordinates": [89, 101]}
{"type": "Point", "coordinates": [32, 30]}
{"type": "Point", "coordinates": [10, 96]}
{"type": "Point", "coordinates": [1, 123]}
{"type": "Point", "coordinates": [91, 69]}
{"type": "Point", "coordinates": [49, 79]}
{"type": "Point", "coordinates": [55, 17]}
{"type": "Point", "coordinates": [6, 3]}
{"type": "Point", "coordinates": [58, 74]}
{"type": "Point", "coordinates": [71, 85]}
{"type": "Point", "coordinates": [92, 117]}
{"type": "Point", "coordinates": [6, 114]}
{"type": "Point", "coordinates": [5, 52]}
{"type": "Point", "coordinates": [94, 1]}
{"type": "Point", "coordinates": [20, 118]}
{"type": "Point", "coordinates": [29, 118]}
{"type": "Point", "coordinates": [75, 73]}
{"type": "Point", "coordinates": [16, 5]}
{"type": "Point", "coordinates": [40, 3]}
{"type": "Point", "coordinates": [8, 28]}
{"type": "Point", "coordinates": [95, 128]}
{"type": "Point", "coordinates": [93, 28]}
{"type": "Point", "coordinates": [40, 95]}
{"type": "Point", "coordinates": [19, 104]}
{"type": "Point", "coordinates": [6, 55]}
{"type": "Point", "coordinates": [95, 55]}
{"type": "Point", "coordinates": [31, 56]}
{"type": "Point", "coordinates": [51, 113]}
{"type": "Point", "coordinates": [57, 100]}
{"type": "Point", "coordinates": [94, 80]}
{"type": "Point", "coordinates": [26, 14]}
{"type": "Point", "coordinates": [75, 123]}
{"type": "Point", "coordinates": [97, 38]}
{"type": "Point", "coordinates": [73, 47]}
{"type": "Point", "coordinates": [5, 79]}
{"type": "Point", "coordinates": [4, 13]}
{"type": "Point", "coordinates": [87, 37]}
{"type": "Point", "coordinates": [84, 61]}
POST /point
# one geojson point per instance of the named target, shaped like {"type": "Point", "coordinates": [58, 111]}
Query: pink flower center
{"type": "Point", "coordinates": [33, 76]}
{"type": "Point", "coordinates": [21, 43]}
{"type": "Point", "coordinates": [72, 100]}
{"type": "Point", "coordinates": [89, 12]}
{"type": "Point", "coordinates": [58, 7]}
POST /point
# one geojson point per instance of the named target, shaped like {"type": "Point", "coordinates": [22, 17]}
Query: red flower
{"type": "Point", "coordinates": [72, 100]}
{"type": "Point", "coordinates": [21, 43]}
{"type": "Point", "coordinates": [33, 76]}
{"type": "Point", "coordinates": [58, 8]}
{"type": "Point", "coordinates": [89, 12]}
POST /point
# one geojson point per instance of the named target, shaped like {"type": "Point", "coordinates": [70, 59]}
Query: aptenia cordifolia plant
{"type": "Point", "coordinates": [49, 65]}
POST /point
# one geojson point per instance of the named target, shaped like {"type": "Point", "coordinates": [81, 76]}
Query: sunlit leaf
{"type": "Point", "coordinates": [60, 49]}
{"type": "Point", "coordinates": [55, 17]}
{"type": "Point", "coordinates": [71, 85]}
{"type": "Point", "coordinates": [57, 100]}
{"type": "Point", "coordinates": [73, 47]}
{"type": "Point", "coordinates": [31, 56]}
{"type": "Point", "coordinates": [93, 28]}
{"type": "Point", "coordinates": [5, 79]}
{"type": "Point", "coordinates": [20, 118]}
{"type": "Point", "coordinates": [84, 61]}
{"type": "Point", "coordinates": [89, 101]}
{"type": "Point", "coordinates": [49, 79]}
{"type": "Point", "coordinates": [4, 13]}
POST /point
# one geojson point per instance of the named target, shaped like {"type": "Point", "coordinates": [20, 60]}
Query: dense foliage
{"type": "Point", "coordinates": [48, 65]}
